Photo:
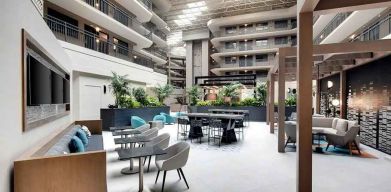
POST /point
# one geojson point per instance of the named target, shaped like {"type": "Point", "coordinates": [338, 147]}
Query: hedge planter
{"type": "Point", "coordinates": [256, 113]}
{"type": "Point", "coordinates": [121, 117]}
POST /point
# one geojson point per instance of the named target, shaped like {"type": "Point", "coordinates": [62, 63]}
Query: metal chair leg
{"type": "Point", "coordinates": [179, 174]}
{"type": "Point", "coordinates": [157, 176]}
{"type": "Point", "coordinates": [149, 162]}
{"type": "Point", "coordinates": [184, 178]}
{"type": "Point", "coordinates": [164, 180]}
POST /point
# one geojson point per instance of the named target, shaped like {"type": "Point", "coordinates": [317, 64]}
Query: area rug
{"type": "Point", "coordinates": [334, 151]}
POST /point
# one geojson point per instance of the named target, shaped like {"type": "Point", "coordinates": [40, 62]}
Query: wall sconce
{"type": "Point", "coordinates": [335, 102]}
{"type": "Point", "coordinates": [330, 84]}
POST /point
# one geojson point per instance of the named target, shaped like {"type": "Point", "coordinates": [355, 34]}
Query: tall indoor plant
{"type": "Point", "coordinates": [193, 94]}
{"type": "Point", "coordinates": [260, 93]}
{"type": "Point", "coordinates": [163, 92]}
{"type": "Point", "coordinates": [119, 88]}
{"type": "Point", "coordinates": [230, 91]}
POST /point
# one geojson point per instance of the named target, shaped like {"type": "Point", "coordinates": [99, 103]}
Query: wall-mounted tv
{"type": "Point", "coordinates": [57, 88]}
{"type": "Point", "coordinates": [38, 83]}
{"type": "Point", "coordinates": [45, 86]}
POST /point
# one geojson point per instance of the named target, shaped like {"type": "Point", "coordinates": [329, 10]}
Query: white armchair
{"type": "Point", "coordinates": [161, 141]}
{"type": "Point", "coordinates": [150, 133]}
{"type": "Point", "coordinates": [175, 158]}
{"type": "Point", "coordinates": [344, 139]}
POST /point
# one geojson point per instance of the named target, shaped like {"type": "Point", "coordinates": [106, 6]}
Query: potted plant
{"type": "Point", "coordinates": [120, 90]}
{"type": "Point", "coordinates": [193, 94]}
{"type": "Point", "coordinates": [163, 92]}
{"type": "Point", "coordinates": [260, 93]}
{"type": "Point", "coordinates": [230, 91]}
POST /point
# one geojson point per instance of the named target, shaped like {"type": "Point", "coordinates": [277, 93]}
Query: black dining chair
{"type": "Point", "coordinates": [215, 131]}
{"type": "Point", "coordinates": [183, 129]}
{"type": "Point", "coordinates": [196, 129]}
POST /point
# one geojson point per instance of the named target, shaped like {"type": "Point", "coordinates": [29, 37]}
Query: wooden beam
{"type": "Point", "coordinates": [337, 6]}
{"type": "Point", "coordinates": [345, 56]}
{"type": "Point", "coordinates": [267, 101]}
{"type": "Point", "coordinates": [271, 104]}
{"type": "Point", "coordinates": [293, 59]}
{"type": "Point", "coordinates": [304, 103]}
{"type": "Point", "coordinates": [281, 104]}
{"type": "Point", "coordinates": [306, 5]}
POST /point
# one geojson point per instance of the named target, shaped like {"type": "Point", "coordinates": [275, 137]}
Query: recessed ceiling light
{"type": "Point", "coordinates": [196, 4]}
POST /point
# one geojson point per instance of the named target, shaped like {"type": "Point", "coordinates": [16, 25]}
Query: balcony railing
{"type": "Point", "coordinates": [146, 3]}
{"type": "Point", "coordinates": [160, 70]}
{"type": "Point", "coordinates": [160, 34]}
{"type": "Point", "coordinates": [334, 23]}
{"type": "Point", "coordinates": [375, 32]}
{"type": "Point", "coordinates": [289, 43]}
{"type": "Point", "coordinates": [72, 34]}
{"type": "Point", "coordinates": [253, 29]}
{"type": "Point", "coordinates": [157, 52]}
{"type": "Point", "coordinates": [119, 15]}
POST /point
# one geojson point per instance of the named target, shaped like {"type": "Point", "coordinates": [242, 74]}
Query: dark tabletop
{"type": "Point", "coordinates": [218, 116]}
{"type": "Point", "coordinates": [229, 111]}
{"type": "Point", "coordinates": [135, 139]}
{"type": "Point", "coordinates": [120, 128]}
{"type": "Point", "coordinates": [125, 154]}
{"type": "Point", "coordinates": [128, 132]}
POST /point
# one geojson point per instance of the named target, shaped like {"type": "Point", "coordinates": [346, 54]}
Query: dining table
{"type": "Point", "coordinates": [132, 169]}
{"type": "Point", "coordinates": [228, 121]}
{"type": "Point", "coordinates": [140, 153]}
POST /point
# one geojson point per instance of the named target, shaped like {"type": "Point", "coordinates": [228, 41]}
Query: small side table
{"type": "Point", "coordinates": [157, 124]}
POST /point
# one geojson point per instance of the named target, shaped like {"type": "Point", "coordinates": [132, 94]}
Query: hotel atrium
{"type": "Point", "coordinates": [195, 95]}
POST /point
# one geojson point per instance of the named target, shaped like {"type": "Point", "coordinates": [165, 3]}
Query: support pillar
{"type": "Point", "coordinates": [317, 96]}
{"type": "Point", "coordinates": [304, 102]}
{"type": "Point", "coordinates": [271, 104]}
{"type": "Point", "coordinates": [281, 103]}
{"type": "Point", "coordinates": [267, 102]}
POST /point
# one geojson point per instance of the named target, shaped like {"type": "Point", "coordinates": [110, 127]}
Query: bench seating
{"type": "Point", "coordinates": [52, 168]}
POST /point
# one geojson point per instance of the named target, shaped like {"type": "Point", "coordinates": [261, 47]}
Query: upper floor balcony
{"type": "Point", "coordinates": [108, 15]}
{"type": "Point", "coordinates": [157, 52]}
{"type": "Point", "coordinates": [333, 24]}
{"type": "Point", "coordinates": [379, 30]}
{"type": "Point", "coordinates": [72, 34]}
{"type": "Point", "coordinates": [147, 4]}
{"type": "Point", "coordinates": [260, 44]}
{"type": "Point", "coordinates": [255, 28]}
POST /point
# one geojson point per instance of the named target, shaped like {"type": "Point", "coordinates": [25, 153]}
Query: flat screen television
{"type": "Point", "coordinates": [57, 88]}
{"type": "Point", "coordinates": [38, 83]}
{"type": "Point", "coordinates": [66, 91]}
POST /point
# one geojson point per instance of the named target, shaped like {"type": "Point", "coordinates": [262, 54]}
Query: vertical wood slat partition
{"type": "Point", "coordinates": [281, 102]}
{"type": "Point", "coordinates": [342, 95]}
{"type": "Point", "coordinates": [304, 103]}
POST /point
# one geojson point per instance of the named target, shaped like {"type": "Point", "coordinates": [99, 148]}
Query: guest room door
{"type": "Point", "coordinates": [90, 102]}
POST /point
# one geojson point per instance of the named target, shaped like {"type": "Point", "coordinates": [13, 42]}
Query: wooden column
{"type": "Point", "coordinates": [304, 102]}
{"type": "Point", "coordinates": [271, 104]}
{"type": "Point", "coordinates": [281, 102]}
{"type": "Point", "coordinates": [342, 96]}
{"type": "Point", "coordinates": [267, 101]}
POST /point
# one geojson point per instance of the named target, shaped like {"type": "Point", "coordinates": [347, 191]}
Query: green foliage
{"type": "Point", "coordinates": [230, 90]}
{"type": "Point", "coordinates": [136, 104]}
{"type": "Point", "coordinates": [290, 100]}
{"type": "Point", "coordinates": [250, 102]}
{"type": "Point", "coordinates": [140, 95]}
{"type": "Point", "coordinates": [218, 102]}
{"type": "Point", "coordinates": [153, 102]}
{"type": "Point", "coordinates": [260, 93]}
{"type": "Point", "coordinates": [203, 103]}
{"type": "Point", "coordinates": [120, 89]}
{"type": "Point", "coordinates": [194, 94]}
{"type": "Point", "coordinates": [163, 92]}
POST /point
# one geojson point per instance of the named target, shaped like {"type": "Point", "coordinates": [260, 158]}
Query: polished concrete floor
{"type": "Point", "coordinates": [253, 164]}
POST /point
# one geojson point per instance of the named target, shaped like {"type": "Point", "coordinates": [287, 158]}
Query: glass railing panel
{"type": "Point", "coordinates": [377, 31]}
{"type": "Point", "coordinates": [333, 24]}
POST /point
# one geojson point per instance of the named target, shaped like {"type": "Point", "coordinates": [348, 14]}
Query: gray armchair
{"type": "Point", "coordinates": [150, 133]}
{"type": "Point", "coordinates": [161, 141]}
{"type": "Point", "coordinates": [344, 139]}
{"type": "Point", "coordinates": [175, 158]}
{"type": "Point", "coordinates": [290, 131]}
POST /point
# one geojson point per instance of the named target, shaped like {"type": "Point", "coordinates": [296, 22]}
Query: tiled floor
{"type": "Point", "coordinates": [253, 164]}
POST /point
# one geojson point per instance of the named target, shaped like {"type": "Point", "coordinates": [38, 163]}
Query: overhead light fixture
{"type": "Point", "coordinates": [335, 102]}
{"type": "Point", "coordinates": [353, 36]}
{"type": "Point", "coordinates": [196, 4]}
{"type": "Point", "coordinates": [97, 40]}
{"type": "Point", "coordinates": [97, 29]}
{"type": "Point", "coordinates": [96, 4]}
{"type": "Point", "coordinates": [135, 56]}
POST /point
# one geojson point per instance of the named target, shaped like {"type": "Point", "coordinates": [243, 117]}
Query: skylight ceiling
{"type": "Point", "coordinates": [193, 14]}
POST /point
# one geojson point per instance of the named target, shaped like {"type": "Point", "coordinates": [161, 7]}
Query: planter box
{"type": "Point", "coordinates": [121, 117]}
{"type": "Point", "coordinates": [256, 113]}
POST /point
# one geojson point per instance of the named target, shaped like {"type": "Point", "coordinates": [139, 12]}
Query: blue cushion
{"type": "Point", "coordinates": [136, 121]}
{"type": "Point", "coordinates": [76, 145]}
{"type": "Point", "coordinates": [169, 118]}
{"type": "Point", "coordinates": [159, 118]}
{"type": "Point", "coordinates": [82, 136]}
